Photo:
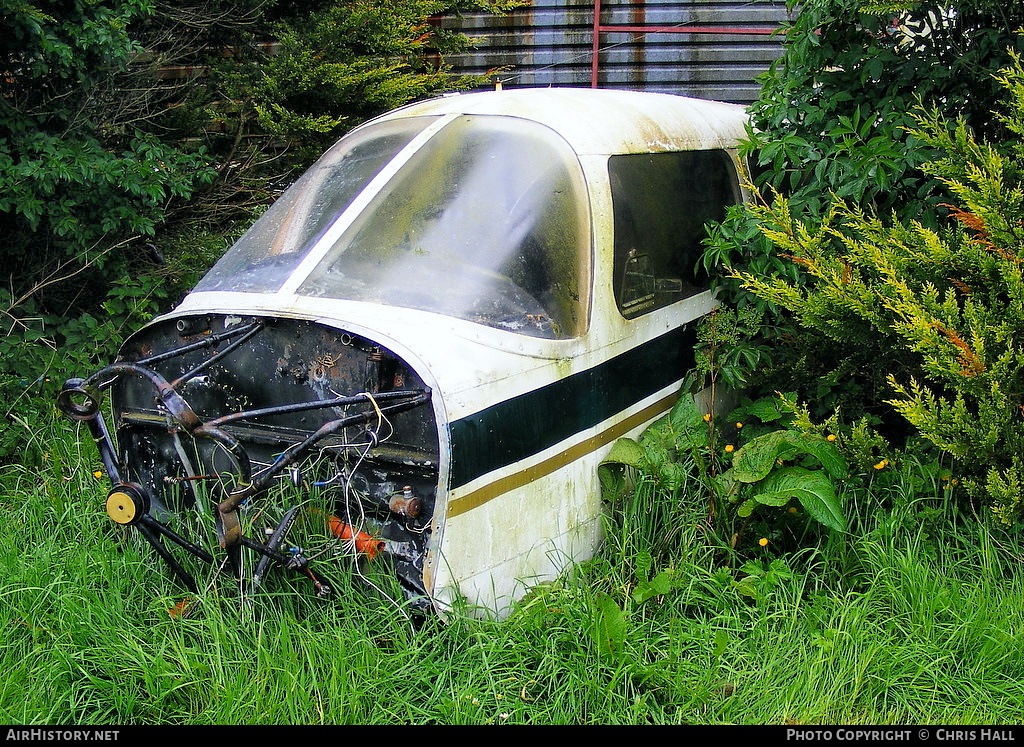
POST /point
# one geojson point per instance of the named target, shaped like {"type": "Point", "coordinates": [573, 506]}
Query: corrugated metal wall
{"type": "Point", "coordinates": [549, 43]}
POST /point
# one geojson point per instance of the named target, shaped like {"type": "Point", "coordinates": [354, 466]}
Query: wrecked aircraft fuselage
{"type": "Point", "coordinates": [419, 355]}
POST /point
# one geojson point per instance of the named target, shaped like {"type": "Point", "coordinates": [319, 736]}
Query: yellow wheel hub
{"type": "Point", "coordinates": [121, 507]}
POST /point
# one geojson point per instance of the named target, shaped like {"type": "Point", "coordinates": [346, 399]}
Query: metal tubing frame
{"type": "Point", "coordinates": [179, 410]}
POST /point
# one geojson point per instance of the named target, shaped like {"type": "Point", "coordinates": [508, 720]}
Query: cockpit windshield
{"type": "Point", "coordinates": [486, 221]}
{"type": "Point", "coordinates": [268, 252]}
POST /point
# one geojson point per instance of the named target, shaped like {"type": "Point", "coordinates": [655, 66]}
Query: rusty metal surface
{"type": "Point", "coordinates": [548, 43]}
{"type": "Point", "coordinates": [218, 409]}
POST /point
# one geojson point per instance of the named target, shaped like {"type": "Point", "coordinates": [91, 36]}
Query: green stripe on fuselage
{"type": "Point", "coordinates": [517, 428]}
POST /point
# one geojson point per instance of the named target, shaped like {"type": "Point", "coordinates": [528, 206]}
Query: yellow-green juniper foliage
{"type": "Point", "coordinates": [947, 304]}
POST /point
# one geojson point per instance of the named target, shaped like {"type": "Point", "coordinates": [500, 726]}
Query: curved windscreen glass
{"type": "Point", "coordinates": [488, 222]}
{"type": "Point", "coordinates": [268, 252]}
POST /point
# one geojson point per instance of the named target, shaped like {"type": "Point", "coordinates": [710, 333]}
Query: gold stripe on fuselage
{"type": "Point", "coordinates": [527, 475]}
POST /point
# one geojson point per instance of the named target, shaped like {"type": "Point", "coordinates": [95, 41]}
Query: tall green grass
{"type": "Point", "coordinates": [915, 617]}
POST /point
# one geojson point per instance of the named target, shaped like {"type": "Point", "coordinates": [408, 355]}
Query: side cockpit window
{"type": "Point", "coordinates": [661, 203]}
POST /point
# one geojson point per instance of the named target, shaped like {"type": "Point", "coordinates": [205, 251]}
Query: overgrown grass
{"type": "Point", "coordinates": [912, 618]}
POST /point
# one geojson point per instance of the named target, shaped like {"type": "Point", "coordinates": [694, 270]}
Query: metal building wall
{"type": "Point", "coordinates": [549, 43]}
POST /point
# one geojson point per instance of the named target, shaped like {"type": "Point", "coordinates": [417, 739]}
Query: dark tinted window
{"type": "Point", "coordinates": [661, 204]}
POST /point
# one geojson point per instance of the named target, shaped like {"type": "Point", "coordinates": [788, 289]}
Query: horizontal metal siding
{"type": "Point", "coordinates": [549, 43]}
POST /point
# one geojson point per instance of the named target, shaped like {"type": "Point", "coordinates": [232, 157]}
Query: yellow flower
{"type": "Point", "coordinates": [98, 475]}
{"type": "Point", "coordinates": [792, 509]}
{"type": "Point", "coordinates": [707, 417]}
{"type": "Point", "coordinates": [763, 542]}
{"type": "Point", "coordinates": [882, 464]}
{"type": "Point", "coordinates": [729, 449]}
{"type": "Point", "coordinates": [830, 437]}
{"type": "Point", "coordinates": [739, 425]}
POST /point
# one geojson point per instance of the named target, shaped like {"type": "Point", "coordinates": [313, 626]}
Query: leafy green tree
{"type": "Point", "coordinates": [940, 311]}
{"type": "Point", "coordinates": [835, 120]}
{"type": "Point", "coordinates": [75, 183]}
{"type": "Point", "coordinates": [835, 112]}
{"type": "Point", "coordinates": [350, 61]}
{"type": "Point", "coordinates": [301, 77]}
{"type": "Point", "coordinates": [116, 115]}
{"type": "Point", "coordinates": [138, 136]}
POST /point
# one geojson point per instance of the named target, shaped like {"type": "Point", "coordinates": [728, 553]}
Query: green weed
{"type": "Point", "coordinates": [912, 618]}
